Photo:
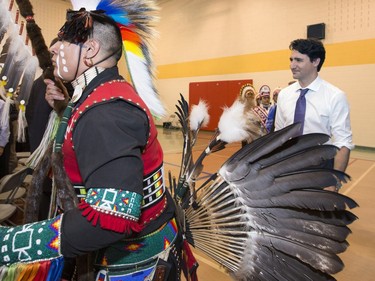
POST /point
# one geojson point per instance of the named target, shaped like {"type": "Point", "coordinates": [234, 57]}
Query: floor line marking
{"type": "Point", "coordinates": [358, 180]}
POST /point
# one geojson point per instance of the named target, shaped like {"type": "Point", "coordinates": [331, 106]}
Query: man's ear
{"type": "Point", "coordinates": [92, 47]}
{"type": "Point", "coordinates": [316, 62]}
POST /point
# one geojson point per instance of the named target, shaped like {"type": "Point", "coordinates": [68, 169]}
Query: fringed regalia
{"type": "Point", "coordinates": [107, 144]}
{"type": "Point", "coordinates": [144, 213]}
{"type": "Point", "coordinates": [150, 215]}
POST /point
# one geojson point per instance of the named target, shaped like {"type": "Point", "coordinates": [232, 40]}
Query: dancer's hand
{"type": "Point", "coordinates": [55, 95]}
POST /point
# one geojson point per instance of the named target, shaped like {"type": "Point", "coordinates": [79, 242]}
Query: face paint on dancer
{"type": "Point", "coordinates": [66, 58]}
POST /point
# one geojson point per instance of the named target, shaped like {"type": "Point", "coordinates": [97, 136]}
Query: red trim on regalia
{"type": "Point", "coordinates": [109, 221]}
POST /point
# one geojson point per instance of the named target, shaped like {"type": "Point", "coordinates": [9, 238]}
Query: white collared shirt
{"type": "Point", "coordinates": [327, 111]}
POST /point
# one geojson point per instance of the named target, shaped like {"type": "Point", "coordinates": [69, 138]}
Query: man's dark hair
{"type": "Point", "coordinates": [313, 48]}
{"type": "Point", "coordinates": [109, 36]}
{"type": "Point", "coordinates": [82, 25]}
{"type": "Point", "coordinates": [53, 42]}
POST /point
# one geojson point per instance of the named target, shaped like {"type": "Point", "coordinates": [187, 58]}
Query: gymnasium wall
{"type": "Point", "coordinates": [211, 40]}
{"type": "Point", "coordinates": [216, 40]}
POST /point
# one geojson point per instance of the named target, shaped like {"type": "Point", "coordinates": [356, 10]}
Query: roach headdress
{"type": "Point", "coordinates": [134, 21]}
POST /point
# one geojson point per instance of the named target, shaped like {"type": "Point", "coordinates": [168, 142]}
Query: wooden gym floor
{"type": "Point", "coordinates": [359, 259]}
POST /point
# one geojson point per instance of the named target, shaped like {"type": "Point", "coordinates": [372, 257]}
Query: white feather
{"type": "Point", "coordinates": [232, 124]}
{"type": "Point", "coordinates": [50, 132]}
{"type": "Point", "coordinates": [199, 116]}
{"type": "Point", "coordinates": [88, 5]}
{"type": "Point", "coordinates": [4, 119]}
{"type": "Point", "coordinates": [22, 123]}
{"type": "Point", "coordinates": [15, 47]}
{"type": "Point", "coordinates": [5, 18]}
{"type": "Point", "coordinates": [28, 78]}
{"type": "Point", "coordinates": [143, 84]}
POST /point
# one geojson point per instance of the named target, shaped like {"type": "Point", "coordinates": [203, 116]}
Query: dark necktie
{"type": "Point", "coordinates": [299, 114]}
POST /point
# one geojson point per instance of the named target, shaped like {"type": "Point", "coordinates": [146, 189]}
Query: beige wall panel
{"type": "Point", "coordinates": [210, 29]}
{"type": "Point", "coordinates": [202, 29]}
{"type": "Point", "coordinates": [50, 16]}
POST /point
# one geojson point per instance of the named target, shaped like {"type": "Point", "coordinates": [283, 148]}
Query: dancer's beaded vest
{"type": "Point", "coordinates": [154, 199]}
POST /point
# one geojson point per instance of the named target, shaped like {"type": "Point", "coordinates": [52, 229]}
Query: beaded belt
{"type": "Point", "coordinates": [131, 252]}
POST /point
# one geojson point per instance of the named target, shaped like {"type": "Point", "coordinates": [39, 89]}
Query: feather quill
{"type": "Point", "coordinates": [199, 117]}
{"type": "Point", "coordinates": [183, 117]}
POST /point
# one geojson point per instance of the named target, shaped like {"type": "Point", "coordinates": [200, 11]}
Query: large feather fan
{"type": "Point", "coordinates": [265, 214]}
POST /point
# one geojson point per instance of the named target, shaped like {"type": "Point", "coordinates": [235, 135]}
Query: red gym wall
{"type": "Point", "coordinates": [217, 94]}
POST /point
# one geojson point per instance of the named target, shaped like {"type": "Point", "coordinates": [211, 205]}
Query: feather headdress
{"type": "Point", "coordinates": [136, 21]}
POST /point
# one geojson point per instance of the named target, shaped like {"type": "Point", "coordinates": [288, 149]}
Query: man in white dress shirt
{"type": "Point", "coordinates": [327, 109]}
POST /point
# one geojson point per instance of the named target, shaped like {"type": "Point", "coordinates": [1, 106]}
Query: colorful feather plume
{"type": "Point", "coordinates": [137, 29]}
{"type": "Point", "coordinates": [136, 20]}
